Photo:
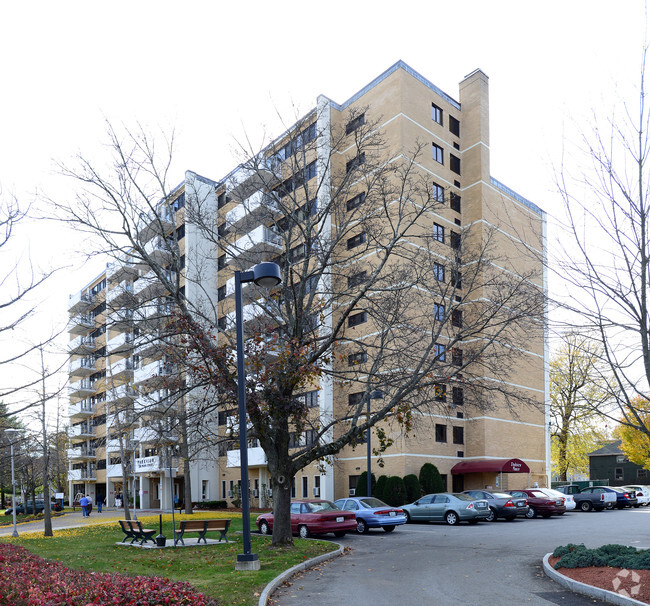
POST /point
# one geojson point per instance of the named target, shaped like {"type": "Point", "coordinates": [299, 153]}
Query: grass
{"type": "Point", "coordinates": [211, 569]}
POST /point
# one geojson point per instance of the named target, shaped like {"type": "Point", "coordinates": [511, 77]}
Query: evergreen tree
{"type": "Point", "coordinates": [395, 491]}
{"type": "Point", "coordinates": [362, 485]}
{"type": "Point", "coordinates": [430, 479]}
{"type": "Point", "coordinates": [379, 487]}
{"type": "Point", "coordinates": [413, 489]}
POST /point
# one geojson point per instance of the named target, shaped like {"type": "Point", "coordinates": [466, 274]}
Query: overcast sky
{"type": "Point", "coordinates": [217, 72]}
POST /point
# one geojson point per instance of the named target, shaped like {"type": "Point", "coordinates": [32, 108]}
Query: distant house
{"type": "Point", "coordinates": [611, 463]}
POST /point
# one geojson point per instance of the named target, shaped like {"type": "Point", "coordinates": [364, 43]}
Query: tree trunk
{"type": "Point", "coordinates": [282, 536]}
{"type": "Point", "coordinates": [185, 455]}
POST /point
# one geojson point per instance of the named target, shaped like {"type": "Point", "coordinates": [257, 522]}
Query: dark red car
{"type": "Point", "coordinates": [313, 516]}
{"type": "Point", "coordinates": [540, 503]}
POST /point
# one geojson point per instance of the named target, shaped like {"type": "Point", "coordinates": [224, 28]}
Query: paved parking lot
{"type": "Point", "coordinates": [491, 563]}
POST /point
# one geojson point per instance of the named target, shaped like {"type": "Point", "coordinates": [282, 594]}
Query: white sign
{"type": "Point", "coordinates": [147, 464]}
{"type": "Point", "coordinates": [59, 495]}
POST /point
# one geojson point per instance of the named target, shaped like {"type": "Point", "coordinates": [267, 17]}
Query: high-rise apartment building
{"type": "Point", "coordinates": [122, 414]}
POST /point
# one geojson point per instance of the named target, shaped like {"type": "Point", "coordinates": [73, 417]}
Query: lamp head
{"type": "Point", "coordinates": [267, 275]}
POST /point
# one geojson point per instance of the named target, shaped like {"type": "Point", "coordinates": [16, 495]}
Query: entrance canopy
{"type": "Point", "coordinates": [491, 465]}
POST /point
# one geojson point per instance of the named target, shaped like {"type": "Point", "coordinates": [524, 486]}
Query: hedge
{"type": "Point", "coordinates": [616, 556]}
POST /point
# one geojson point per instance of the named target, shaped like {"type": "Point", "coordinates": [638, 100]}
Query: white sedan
{"type": "Point", "coordinates": [569, 501]}
{"type": "Point", "coordinates": [642, 493]}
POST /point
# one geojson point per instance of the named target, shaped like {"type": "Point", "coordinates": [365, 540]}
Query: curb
{"type": "Point", "coordinates": [277, 581]}
{"type": "Point", "coordinates": [605, 595]}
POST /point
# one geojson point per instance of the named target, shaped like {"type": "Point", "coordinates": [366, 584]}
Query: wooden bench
{"type": "Point", "coordinates": [133, 530]}
{"type": "Point", "coordinates": [202, 527]}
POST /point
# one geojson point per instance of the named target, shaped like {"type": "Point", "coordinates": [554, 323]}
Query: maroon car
{"type": "Point", "coordinates": [313, 516]}
{"type": "Point", "coordinates": [540, 503]}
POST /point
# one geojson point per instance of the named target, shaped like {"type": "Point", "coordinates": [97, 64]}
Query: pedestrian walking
{"type": "Point", "coordinates": [84, 506]}
{"type": "Point", "coordinates": [100, 502]}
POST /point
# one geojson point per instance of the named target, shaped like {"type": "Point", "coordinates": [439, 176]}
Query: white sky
{"type": "Point", "coordinates": [215, 72]}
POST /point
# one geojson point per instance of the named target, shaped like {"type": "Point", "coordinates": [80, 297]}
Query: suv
{"type": "Point", "coordinates": [40, 506]}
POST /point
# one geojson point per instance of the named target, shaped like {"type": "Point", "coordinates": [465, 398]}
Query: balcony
{"type": "Point", "coordinates": [81, 453]}
{"type": "Point", "coordinates": [81, 345]}
{"type": "Point", "coordinates": [158, 223]}
{"type": "Point", "coordinates": [150, 435]}
{"type": "Point", "coordinates": [124, 418]}
{"type": "Point", "coordinates": [82, 409]}
{"type": "Point", "coordinates": [83, 431]}
{"type": "Point", "coordinates": [256, 458]}
{"type": "Point", "coordinates": [261, 240]}
{"type": "Point", "coordinates": [157, 401]}
{"type": "Point", "coordinates": [122, 394]}
{"type": "Point", "coordinates": [80, 303]}
{"type": "Point", "coordinates": [119, 296]}
{"type": "Point", "coordinates": [122, 370]}
{"type": "Point", "coordinates": [249, 312]}
{"type": "Point", "coordinates": [159, 250]}
{"type": "Point", "coordinates": [81, 325]}
{"type": "Point", "coordinates": [74, 475]}
{"type": "Point", "coordinates": [149, 345]}
{"type": "Point", "coordinates": [81, 389]}
{"type": "Point", "coordinates": [245, 180]}
{"type": "Point", "coordinates": [121, 319]}
{"type": "Point", "coordinates": [114, 471]}
{"type": "Point", "coordinates": [256, 209]}
{"type": "Point", "coordinates": [114, 445]}
{"type": "Point", "coordinates": [156, 313]}
{"type": "Point", "coordinates": [89, 474]}
{"type": "Point", "coordinates": [123, 342]}
{"type": "Point", "coordinates": [149, 286]}
{"type": "Point", "coordinates": [83, 367]}
{"type": "Point", "coordinates": [120, 270]}
{"type": "Point", "coordinates": [154, 374]}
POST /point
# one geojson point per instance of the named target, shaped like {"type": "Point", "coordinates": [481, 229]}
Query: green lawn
{"type": "Point", "coordinates": [210, 569]}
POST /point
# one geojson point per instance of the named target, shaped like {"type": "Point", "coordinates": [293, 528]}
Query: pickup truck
{"type": "Point", "coordinates": [594, 497]}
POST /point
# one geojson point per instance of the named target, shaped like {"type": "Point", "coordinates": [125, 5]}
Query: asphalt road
{"type": "Point", "coordinates": [487, 564]}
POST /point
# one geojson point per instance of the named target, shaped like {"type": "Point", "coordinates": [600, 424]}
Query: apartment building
{"type": "Point", "coordinates": [493, 442]}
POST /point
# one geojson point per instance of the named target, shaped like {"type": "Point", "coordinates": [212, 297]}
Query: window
{"type": "Point", "coordinates": [454, 240]}
{"type": "Point", "coordinates": [356, 319]}
{"type": "Point", "coordinates": [439, 272]}
{"type": "Point", "coordinates": [205, 493]}
{"type": "Point", "coordinates": [354, 399]}
{"type": "Point", "coordinates": [438, 232]}
{"type": "Point", "coordinates": [620, 458]}
{"type": "Point", "coordinates": [222, 230]}
{"type": "Point", "coordinates": [440, 391]}
{"type": "Point", "coordinates": [357, 279]}
{"type": "Point", "coordinates": [454, 126]}
{"type": "Point", "coordinates": [357, 240]}
{"type": "Point", "coordinates": [641, 474]}
{"type": "Point", "coordinates": [441, 433]}
{"type": "Point", "coordinates": [297, 253]}
{"type": "Point", "coordinates": [357, 358]}
{"type": "Point", "coordinates": [457, 396]}
{"type": "Point", "coordinates": [221, 293]}
{"type": "Point", "coordinates": [457, 318]}
{"type": "Point", "coordinates": [454, 163]}
{"type": "Point", "coordinates": [618, 473]}
{"type": "Point", "coordinates": [458, 435]}
{"type": "Point", "coordinates": [439, 312]}
{"type": "Point", "coordinates": [293, 487]}
{"type": "Point", "coordinates": [221, 323]}
{"type": "Point", "coordinates": [438, 193]}
{"type": "Point", "coordinates": [355, 123]}
{"type": "Point", "coordinates": [440, 352]}
{"type": "Point", "coordinates": [457, 356]}
{"type": "Point", "coordinates": [437, 153]}
{"type": "Point", "coordinates": [456, 279]}
{"type": "Point", "coordinates": [355, 202]}
{"type": "Point", "coordinates": [355, 162]}
{"type": "Point", "coordinates": [221, 200]}
{"type": "Point", "coordinates": [221, 262]}
{"type": "Point", "coordinates": [436, 113]}
{"type": "Point", "coordinates": [454, 202]}
{"type": "Point", "coordinates": [310, 171]}
{"type": "Point", "coordinates": [305, 487]}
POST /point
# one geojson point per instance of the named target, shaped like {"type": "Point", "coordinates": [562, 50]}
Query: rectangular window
{"type": "Point", "coordinates": [457, 395]}
{"type": "Point", "coordinates": [618, 473]}
{"type": "Point", "coordinates": [439, 272]}
{"type": "Point", "coordinates": [641, 474]}
{"type": "Point", "coordinates": [620, 458]}
{"type": "Point", "coordinates": [357, 358]}
{"type": "Point", "coordinates": [436, 113]}
{"type": "Point", "coordinates": [311, 399]}
{"type": "Point", "coordinates": [438, 193]}
{"type": "Point", "coordinates": [438, 232]}
{"type": "Point", "coordinates": [357, 240]}
{"type": "Point", "coordinates": [305, 487]}
{"type": "Point", "coordinates": [221, 293]}
{"type": "Point", "coordinates": [440, 352]}
{"type": "Point", "coordinates": [223, 489]}
{"type": "Point", "coordinates": [439, 312]}
{"type": "Point", "coordinates": [454, 163]}
{"type": "Point", "coordinates": [458, 435]}
{"type": "Point", "coordinates": [354, 399]}
{"type": "Point", "coordinates": [355, 202]}
{"type": "Point", "coordinates": [441, 433]}
{"type": "Point", "coordinates": [356, 319]}
{"type": "Point", "coordinates": [355, 162]}
{"type": "Point", "coordinates": [221, 323]}
{"type": "Point", "coordinates": [297, 253]}
{"type": "Point", "coordinates": [221, 200]}
{"type": "Point", "coordinates": [440, 390]}
{"type": "Point", "coordinates": [355, 123]}
{"type": "Point", "coordinates": [456, 279]}
{"type": "Point", "coordinates": [437, 153]}
{"type": "Point", "coordinates": [457, 356]}
{"type": "Point", "coordinates": [221, 262]}
{"type": "Point", "coordinates": [357, 279]}
{"type": "Point", "coordinates": [205, 493]}
{"type": "Point", "coordinates": [454, 202]}
{"type": "Point", "coordinates": [293, 487]}
{"type": "Point", "coordinates": [454, 126]}
{"type": "Point", "coordinates": [457, 318]}
{"type": "Point", "coordinates": [454, 240]}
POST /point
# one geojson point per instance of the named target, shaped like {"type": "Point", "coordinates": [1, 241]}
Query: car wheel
{"type": "Point", "coordinates": [451, 517]}
{"type": "Point", "coordinates": [264, 527]}
{"type": "Point", "coordinates": [531, 513]}
{"type": "Point", "coordinates": [609, 506]}
{"type": "Point", "coordinates": [492, 517]}
{"type": "Point", "coordinates": [388, 528]}
{"type": "Point", "coordinates": [303, 532]}
{"type": "Point", "coordinates": [408, 517]}
{"type": "Point", "coordinates": [362, 527]}
{"type": "Point", "coordinates": [339, 533]}
{"type": "Point", "coordinates": [585, 506]}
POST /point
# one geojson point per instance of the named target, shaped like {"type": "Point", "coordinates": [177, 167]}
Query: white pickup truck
{"type": "Point", "coordinates": [593, 497]}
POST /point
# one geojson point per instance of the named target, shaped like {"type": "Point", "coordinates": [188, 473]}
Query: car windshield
{"type": "Point", "coordinates": [464, 497]}
{"type": "Point", "coordinates": [538, 493]}
{"type": "Point", "coordinates": [501, 495]}
{"type": "Point", "coordinates": [321, 506]}
{"type": "Point", "coordinates": [371, 502]}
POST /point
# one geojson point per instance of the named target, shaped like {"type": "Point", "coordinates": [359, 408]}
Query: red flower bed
{"type": "Point", "coordinates": [27, 580]}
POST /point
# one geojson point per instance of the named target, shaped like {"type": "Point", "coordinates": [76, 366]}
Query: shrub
{"type": "Point", "coordinates": [412, 485]}
{"type": "Point", "coordinates": [28, 580]}
{"type": "Point", "coordinates": [430, 479]}
{"type": "Point", "coordinates": [210, 505]}
{"type": "Point", "coordinates": [362, 485]}
{"type": "Point", "coordinates": [617, 556]}
{"type": "Point", "coordinates": [395, 491]}
{"type": "Point", "coordinates": [379, 488]}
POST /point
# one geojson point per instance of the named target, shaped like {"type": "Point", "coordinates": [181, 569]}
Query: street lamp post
{"type": "Point", "coordinates": [268, 276]}
{"type": "Point", "coordinates": [11, 433]}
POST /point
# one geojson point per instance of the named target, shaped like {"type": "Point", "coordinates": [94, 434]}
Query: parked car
{"type": "Point", "coordinates": [596, 497]}
{"type": "Point", "coordinates": [451, 508]}
{"type": "Point", "coordinates": [40, 506]}
{"type": "Point", "coordinates": [568, 489]}
{"type": "Point", "coordinates": [540, 503]}
{"type": "Point", "coordinates": [313, 516]}
{"type": "Point", "coordinates": [502, 504]}
{"type": "Point", "coordinates": [569, 501]}
{"type": "Point", "coordinates": [372, 513]}
{"type": "Point", "coordinates": [624, 498]}
{"type": "Point", "coordinates": [642, 494]}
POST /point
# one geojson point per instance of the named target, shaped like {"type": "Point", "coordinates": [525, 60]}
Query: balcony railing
{"type": "Point", "coordinates": [121, 394]}
{"type": "Point", "coordinates": [83, 367]}
{"type": "Point", "coordinates": [152, 224]}
{"type": "Point", "coordinates": [120, 370]}
{"type": "Point", "coordinates": [81, 389]}
{"type": "Point", "coordinates": [81, 431]}
{"type": "Point", "coordinates": [262, 239]}
{"type": "Point", "coordinates": [154, 373]}
{"type": "Point", "coordinates": [149, 286]}
{"type": "Point", "coordinates": [121, 343]}
{"type": "Point", "coordinates": [80, 302]}
{"type": "Point", "coordinates": [256, 457]}
{"type": "Point", "coordinates": [85, 408]}
{"type": "Point", "coordinates": [120, 270]}
{"type": "Point", "coordinates": [257, 208]}
{"type": "Point", "coordinates": [121, 294]}
{"type": "Point", "coordinates": [82, 344]}
{"type": "Point", "coordinates": [82, 453]}
{"type": "Point", "coordinates": [81, 325]}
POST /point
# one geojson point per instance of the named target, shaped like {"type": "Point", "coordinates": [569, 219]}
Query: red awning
{"type": "Point", "coordinates": [487, 465]}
